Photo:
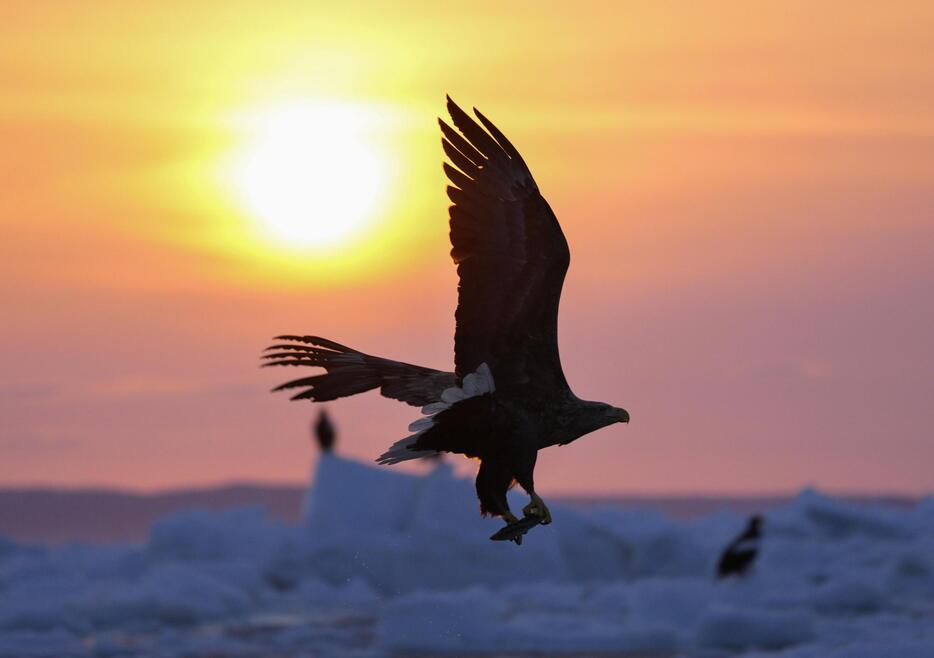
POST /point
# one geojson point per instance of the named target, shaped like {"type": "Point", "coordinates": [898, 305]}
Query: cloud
{"type": "Point", "coordinates": [146, 386]}
{"type": "Point", "coordinates": [32, 442]}
{"type": "Point", "coordinates": [788, 369]}
{"type": "Point", "coordinates": [30, 391]}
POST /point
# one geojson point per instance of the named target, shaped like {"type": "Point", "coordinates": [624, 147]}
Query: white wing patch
{"type": "Point", "coordinates": [476, 383]}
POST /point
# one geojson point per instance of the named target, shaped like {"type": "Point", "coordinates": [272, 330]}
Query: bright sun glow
{"type": "Point", "coordinates": [313, 174]}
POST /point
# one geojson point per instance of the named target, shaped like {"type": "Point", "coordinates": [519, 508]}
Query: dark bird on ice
{"type": "Point", "coordinates": [507, 397]}
{"type": "Point", "coordinates": [739, 555]}
{"type": "Point", "coordinates": [325, 434]}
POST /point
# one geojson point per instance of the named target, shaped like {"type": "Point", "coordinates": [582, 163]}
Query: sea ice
{"type": "Point", "coordinates": [387, 562]}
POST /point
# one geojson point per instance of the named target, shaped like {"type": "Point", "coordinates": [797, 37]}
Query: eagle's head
{"type": "Point", "coordinates": [606, 414]}
{"type": "Point", "coordinates": [591, 416]}
{"type": "Point", "coordinates": [619, 414]}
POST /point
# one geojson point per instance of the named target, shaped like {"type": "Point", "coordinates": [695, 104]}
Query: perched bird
{"type": "Point", "coordinates": [507, 397]}
{"type": "Point", "coordinates": [325, 434]}
{"type": "Point", "coordinates": [738, 556]}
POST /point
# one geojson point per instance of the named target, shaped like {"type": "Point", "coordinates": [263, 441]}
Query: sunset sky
{"type": "Point", "coordinates": [747, 190]}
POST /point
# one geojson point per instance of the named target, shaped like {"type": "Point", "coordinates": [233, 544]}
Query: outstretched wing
{"type": "Point", "coordinates": [511, 258]}
{"type": "Point", "coordinates": [349, 371]}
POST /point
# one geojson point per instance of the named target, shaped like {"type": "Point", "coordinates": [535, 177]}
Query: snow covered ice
{"type": "Point", "coordinates": [393, 564]}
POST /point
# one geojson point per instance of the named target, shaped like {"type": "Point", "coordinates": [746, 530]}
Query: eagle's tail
{"type": "Point", "coordinates": [403, 450]}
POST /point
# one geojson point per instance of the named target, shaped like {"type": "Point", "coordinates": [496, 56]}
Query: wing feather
{"type": "Point", "coordinates": [511, 258]}
{"type": "Point", "coordinates": [460, 160]}
{"type": "Point", "coordinates": [349, 371]}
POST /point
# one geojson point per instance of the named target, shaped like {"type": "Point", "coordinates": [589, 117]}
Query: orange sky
{"type": "Point", "coordinates": [747, 189]}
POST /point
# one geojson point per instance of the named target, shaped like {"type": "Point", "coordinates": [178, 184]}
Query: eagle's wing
{"type": "Point", "coordinates": [511, 258]}
{"type": "Point", "coordinates": [349, 371]}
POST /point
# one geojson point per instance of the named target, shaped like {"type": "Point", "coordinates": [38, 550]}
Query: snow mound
{"type": "Point", "coordinates": [387, 563]}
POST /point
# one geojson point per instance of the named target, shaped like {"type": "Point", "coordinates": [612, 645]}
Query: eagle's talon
{"type": "Point", "coordinates": [537, 508]}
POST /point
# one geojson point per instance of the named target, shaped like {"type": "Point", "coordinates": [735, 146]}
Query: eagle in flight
{"type": "Point", "coordinates": [507, 397]}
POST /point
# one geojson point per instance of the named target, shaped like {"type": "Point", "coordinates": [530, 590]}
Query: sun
{"type": "Point", "coordinates": [311, 174]}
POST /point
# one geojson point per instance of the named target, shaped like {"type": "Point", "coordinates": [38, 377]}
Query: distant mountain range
{"type": "Point", "coordinates": [102, 515]}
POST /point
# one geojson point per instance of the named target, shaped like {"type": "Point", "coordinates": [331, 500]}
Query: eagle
{"type": "Point", "coordinates": [324, 432]}
{"type": "Point", "coordinates": [507, 397]}
{"type": "Point", "coordinates": [738, 557]}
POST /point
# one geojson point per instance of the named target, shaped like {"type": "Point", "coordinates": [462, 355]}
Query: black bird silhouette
{"type": "Point", "coordinates": [507, 397]}
{"type": "Point", "coordinates": [738, 556]}
{"type": "Point", "coordinates": [325, 434]}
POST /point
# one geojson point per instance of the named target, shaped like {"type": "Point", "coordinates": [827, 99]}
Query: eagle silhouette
{"type": "Point", "coordinates": [507, 397]}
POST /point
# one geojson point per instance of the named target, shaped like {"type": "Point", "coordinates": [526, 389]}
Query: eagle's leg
{"type": "Point", "coordinates": [493, 480]}
{"type": "Point", "coordinates": [537, 507]}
